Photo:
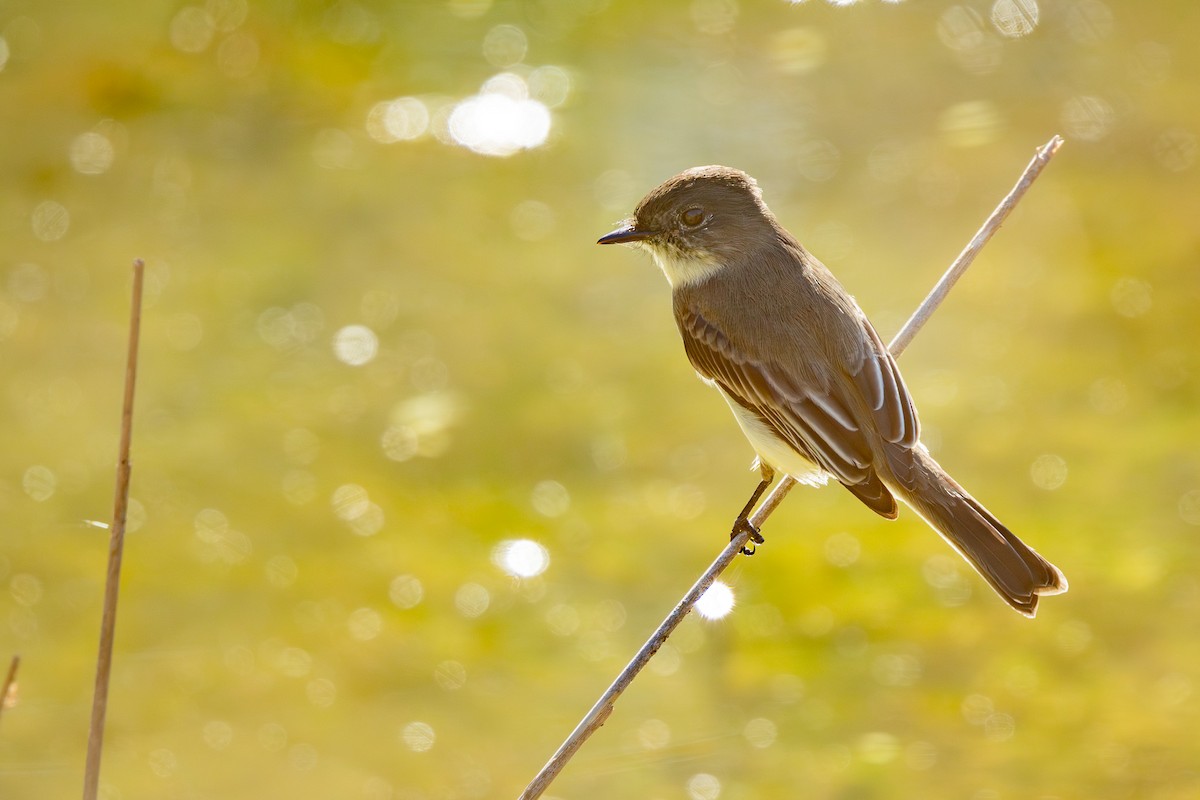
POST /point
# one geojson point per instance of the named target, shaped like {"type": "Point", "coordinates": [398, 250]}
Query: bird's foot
{"type": "Point", "coordinates": [743, 526]}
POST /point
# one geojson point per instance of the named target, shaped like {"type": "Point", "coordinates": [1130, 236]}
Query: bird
{"type": "Point", "coordinates": [809, 381]}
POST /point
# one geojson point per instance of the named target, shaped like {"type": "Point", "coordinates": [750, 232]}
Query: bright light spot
{"type": "Point", "coordinates": [355, 345]}
{"type": "Point", "coordinates": [184, 331]}
{"type": "Point", "coordinates": [999, 727]}
{"type": "Point", "coordinates": [1015, 18]}
{"type": "Point", "coordinates": [878, 747]}
{"type": "Point", "coordinates": [281, 571]}
{"type": "Point", "coordinates": [285, 329]}
{"type": "Point", "coordinates": [39, 482]}
{"type": "Point", "coordinates": [163, 762]}
{"type": "Point", "coordinates": [818, 159]}
{"type": "Point", "coordinates": [238, 55]}
{"type": "Point", "coordinates": [760, 732]}
{"type": "Point", "coordinates": [1089, 21]}
{"type": "Point", "coordinates": [1175, 149]}
{"type": "Point", "coordinates": [294, 662]}
{"type": "Point", "coordinates": [563, 620]}
{"type": "Point", "coordinates": [349, 501]}
{"type": "Point", "coordinates": [272, 737]}
{"type": "Point", "coordinates": [505, 46]}
{"type": "Point", "coordinates": [3, 52]}
{"type": "Point", "coordinates": [960, 28]}
{"type": "Point", "coordinates": [654, 734]}
{"type": "Point", "coordinates": [945, 574]}
{"type": "Point", "coordinates": [890, 162]}
{"type": "Point", "coordinates": [472, 600]}
{"type": "Point", "coordinates": [896, 669]}
{"type": "Point", "coordinates": [1048, 472]}
{"type": "Point", "coordinates": [321, 692]}
{"type": "Point", "coordinates": [797, 51]}
{"type": "Point", "coordinates": [364, 624]}
{"type": "Point", "coordinates": [302, 757]}
{"type": "Point", "coordinates": [352, 505]}
{"type": "Point", "coordinates": [399, 443]}
{"type": "Point", "coordinates": [347, 22]}
{"type": "Point", "coordinates": [970, 124]}
{"type": "Point", "coordinates": [550, 85]}
{"type": "Point", "coordinates": [716, 602]}
{"type": "Point", "coordinates": [50, 221]}
{"type": "Point", "coordinates": [370, 523]}
{"type": "Point", "coordinates": [469, 9]}
{"type": "Point", "coordinates": [91, 153]}
{"type": "Point", "coordinates": [501, 119]}
{"type": "Point", "coordinates": [450, 675]}
{"type": "Point", "coordinates": [714, 17]}
{"type": "Point", "coordinates": [1074, 637]}
{"type": "Point", "coordinates": [217, 540]}
{"type": "Point", "coordinates": [401, 119]}
{"type": "Point", "coordinates": [550, 499]}
{"type": "Point", "coordinates": [1189, 507]}
{"type": "Point", "coordinates": [1088, 117]}
{"type": "Point", "coordinates": [521, 558]}
{"type": "Point", "coordinates": [299, 487]}
{"type": "Point", "coordinates": [192, 29]}
{"type": "Point", "coordinates": [218, 734]}
{"type": "Point", "coordinates": [686, 501]}
{"type": "Point", "coordinates": [532, 220]}
{"type": "Point", "coordinates": [418, 736]}
{"type": "Point", "coordinates": [842, 549]}
{"type": "Point", "coordinates": [421, 425]}
{"type": "Point", "coordinates": [405, 591]}
{"type": "Point", "coordinates": [703, 786]}
{"type": "Point", "coordinates": [1131, 297]}
{"type": "Point", "coordinates": [920, 756]}
{"type": "Point", "coordinates": [26, 589]}
{"type": "Point", "coordinates": [227, 14]}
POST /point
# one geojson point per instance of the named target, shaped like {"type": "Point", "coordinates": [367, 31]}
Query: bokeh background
{"type": "Point", "coordinates": [417, 467]}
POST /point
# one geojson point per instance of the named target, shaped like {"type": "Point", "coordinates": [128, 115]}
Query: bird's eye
{"type": "Point", "coordinates": [692, 217]}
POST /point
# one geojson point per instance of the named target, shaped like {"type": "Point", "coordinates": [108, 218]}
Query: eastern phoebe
{"type": "Point", "coordinates": [809, 380]}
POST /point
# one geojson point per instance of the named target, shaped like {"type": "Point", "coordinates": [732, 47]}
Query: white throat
{"type": "Point", "coordinates": [684, 271]}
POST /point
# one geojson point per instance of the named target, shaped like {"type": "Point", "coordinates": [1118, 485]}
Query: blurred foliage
{"type": "Point", "coordinates": [312, 604]}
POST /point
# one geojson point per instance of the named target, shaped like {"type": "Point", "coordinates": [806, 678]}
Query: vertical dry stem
{"type": "Point", "coordinates": [116, 547]}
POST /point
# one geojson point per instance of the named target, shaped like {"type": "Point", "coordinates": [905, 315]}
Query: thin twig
{"type": "Point", "coordinates": [604, 706]}
{"type": "Point", "coordinates": [9, 691]}
{"type": "Point", "coordinates": [990, 226]}
{"type": "Point", "coordinates": [116, 547]}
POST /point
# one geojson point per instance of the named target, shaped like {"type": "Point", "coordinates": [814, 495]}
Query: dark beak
{"type": "Point", "coordinates": [624, 234]}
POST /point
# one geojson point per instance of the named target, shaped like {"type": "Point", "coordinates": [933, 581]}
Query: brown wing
{"type": "Point", "coordinates": [817, 421]}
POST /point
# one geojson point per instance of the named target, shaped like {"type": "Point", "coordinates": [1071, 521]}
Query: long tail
{"type": "Point", "coordinates": [1011, 567]}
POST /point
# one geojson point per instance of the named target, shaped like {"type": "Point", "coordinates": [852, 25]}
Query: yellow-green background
{"type": "Point", "coordinates": [261, 650]}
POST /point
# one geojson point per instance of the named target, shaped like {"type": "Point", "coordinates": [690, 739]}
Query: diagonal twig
{"type": "Point", "coordinates": [600, 711]}
{"type": "Point", "coordinates": [116, 547]}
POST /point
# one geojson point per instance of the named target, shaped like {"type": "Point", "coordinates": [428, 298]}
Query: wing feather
{"type": "Point", "coordinates": [813, 421]}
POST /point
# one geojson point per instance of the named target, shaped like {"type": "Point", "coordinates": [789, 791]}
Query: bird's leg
{"type": "Point", "coordinates": [742, 523]}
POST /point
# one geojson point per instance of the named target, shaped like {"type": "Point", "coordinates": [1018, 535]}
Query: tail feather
{"type": "Point", "coordinates": [1011, 567]}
